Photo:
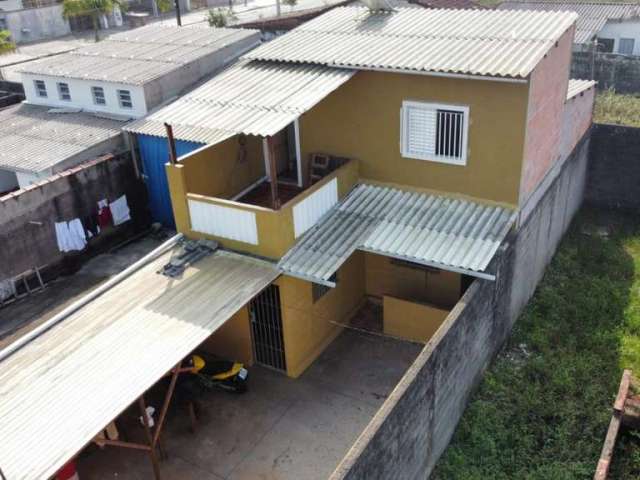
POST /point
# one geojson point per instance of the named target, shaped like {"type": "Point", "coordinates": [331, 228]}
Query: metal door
{"type": "Point", "coordinates": [266, 328]}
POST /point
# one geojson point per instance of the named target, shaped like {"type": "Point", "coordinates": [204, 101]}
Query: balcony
{"type": "Point", "coordinates": [248, 222]}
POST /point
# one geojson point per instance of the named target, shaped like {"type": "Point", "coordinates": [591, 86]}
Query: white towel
{"type": "Point", "coordinates": [70, 236]}
{"type": "Point", "coordinates": [120, 210]}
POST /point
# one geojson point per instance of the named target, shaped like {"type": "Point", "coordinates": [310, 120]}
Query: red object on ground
{"type": "Point", "coordinates": [67, 472]}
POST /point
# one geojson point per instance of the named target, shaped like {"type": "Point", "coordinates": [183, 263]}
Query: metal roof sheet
{"type": "Point", "coordinates": [34, 140]}
{"type": "Point", "coordinates": [139, 56]}
{"type": "Point", "coordinates": [592, 15]}
{"type": "Point", "coordinates": [61, 389]}
{"type": "Point", "coordinates": [474, 42]}
{"type": "Point", "coordinates": [576, 87]}
{"type": "Point", "coordinates": [448, 233]}
{"type": "Point", "coordinates": [254, 98]}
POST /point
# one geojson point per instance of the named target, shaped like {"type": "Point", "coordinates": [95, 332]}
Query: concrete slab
{"type": "Point", "coordinates": [281, 428]}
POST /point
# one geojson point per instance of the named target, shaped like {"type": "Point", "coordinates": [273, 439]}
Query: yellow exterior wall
{"type": "Point", "coordinates": [275, 227]}
{"type": "Point", "coordinates": [384, 277]}
{"type": "Point", "coordinates": [362, 120]}
{"type": "Point", "coordinates": [232, 341]}
{"type": "Point", "coordinates": [413, 321]}
{"type": "Point", "coordinates": [308, 326]}
{"type": "Point", "coordinates": [219, 171]}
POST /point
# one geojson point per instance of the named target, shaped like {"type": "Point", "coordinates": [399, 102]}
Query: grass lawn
{"type": "Point", "coordinates": [544, 405]}
{"type": "Point", "coordinates": [616, 108]}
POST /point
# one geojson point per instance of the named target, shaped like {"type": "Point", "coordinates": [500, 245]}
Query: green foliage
{"type": "Point", "coordinates": [6, 44]}
{"type": "Point", "coordinates": [612, 107]}
{"type": "Point", "coordinates": [544, 406]}
{"type": "Point", "coordinates": [164, 5]}
{"type": "Point", "coordinates": [219, 17]}
{"type": "Point", "coordinates": [93, 8]}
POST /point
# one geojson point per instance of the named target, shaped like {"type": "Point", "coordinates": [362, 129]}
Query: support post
{"type": "Point", "coordinates": [173, 156]}
{"type": "Point", "coordinates": [165, 405]}
{"type": "Point", "coordinates": [147, 429]}
{"type": "Point", "coordinates": [178, 16]}
{"type": "Point", "coordinates": [273, 173]}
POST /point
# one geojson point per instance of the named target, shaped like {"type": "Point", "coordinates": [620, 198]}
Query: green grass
{"type": "Point", "coordinates": [544, 406]}
{"type": "Point", "coordinates": [616, 108]}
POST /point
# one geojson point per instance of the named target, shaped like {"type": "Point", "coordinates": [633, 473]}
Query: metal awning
{"type": "Point", "coordinates": [251, 98]}
{"type": "Point", "coordinates": [62, 388]}
{"type": "Point", "coordinates": [453, 234]}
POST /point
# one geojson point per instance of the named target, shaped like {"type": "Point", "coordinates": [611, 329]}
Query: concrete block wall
{"type": "Point", "coordinates": [36, 23]}
{"type": "Point", "coordinates": [415, 424]}
{"type": "Point", "coordinates": [614, 167]}
{"type": "Point", "coordinates": [27, 216]}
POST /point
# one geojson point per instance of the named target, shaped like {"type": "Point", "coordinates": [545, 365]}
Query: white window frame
{"type": "Point", "coordinates": [122, 102]}
{"type": "Point", "coordinates": [626, 39]}
{"type": "Point", "coordinates": [40, 92]}
{"type": "Point", "coordinates": [404, 140]}
{"type": "Point", "coordinates": [61, 94]}
{"type": "Point", "coordinates": [94, 89]}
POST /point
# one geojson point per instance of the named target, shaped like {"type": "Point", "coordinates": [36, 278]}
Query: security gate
{"type": "Point", "coordinates": [266, 328]}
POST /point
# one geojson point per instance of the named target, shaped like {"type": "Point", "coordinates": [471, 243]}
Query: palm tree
{"type": "Point", "coordinates": [95, 8]}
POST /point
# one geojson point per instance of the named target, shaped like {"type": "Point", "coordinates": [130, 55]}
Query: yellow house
{"type": "Point", "coordinates": [378, 158]}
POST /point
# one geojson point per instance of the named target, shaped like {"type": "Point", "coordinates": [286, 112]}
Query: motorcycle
{"type": "Point", "coordinates": [213, 372]}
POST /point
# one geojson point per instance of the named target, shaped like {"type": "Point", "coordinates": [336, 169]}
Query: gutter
{"type": "Point", "coordinates": [74, 307]}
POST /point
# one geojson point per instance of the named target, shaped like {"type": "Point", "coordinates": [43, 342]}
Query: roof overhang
{"type": "Point", "coordinates": [453, 234]}
{"type": "Point", "coordinates": [63, 387]}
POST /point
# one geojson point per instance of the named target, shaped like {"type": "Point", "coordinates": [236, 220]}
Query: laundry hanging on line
{"type": "Point", "coordinates": [120, 210]}
{"type": "Point", "coordinates": [70, 236]}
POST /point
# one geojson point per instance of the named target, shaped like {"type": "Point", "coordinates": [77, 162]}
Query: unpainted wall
{"type": "Point", "coordinates": [614, 167]}
{"type": "Point", "coordinates": [545, 112]}
{"type": "Point", "coordinates": [413, 428]}
{"type": "Point", "coordinates": [362, 120]}
{"type": "Point", "coordinates": [36, 23]}
{"type": "Point", "coordinates": [27, 216]}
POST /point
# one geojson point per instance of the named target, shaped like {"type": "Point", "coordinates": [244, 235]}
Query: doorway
{"type": "Point", "coordinates": [266, 329]}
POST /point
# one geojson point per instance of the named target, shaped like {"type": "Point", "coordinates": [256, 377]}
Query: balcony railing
{"type": "Point", "coordinates": [264, 231]}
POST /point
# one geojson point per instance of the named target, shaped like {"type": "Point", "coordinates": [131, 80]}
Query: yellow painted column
{"type": "Point", "coordinates": [178, 191]}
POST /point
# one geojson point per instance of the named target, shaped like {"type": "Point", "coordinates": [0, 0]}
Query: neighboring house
{"type": "Point", "coordinates": [374, 155]}
{"type": "Point", "coordinates": [77, 102]}
{"type": "Point", "coordinates": [32, 21]}
{"type": "Point", "coordinates": [615, 26]}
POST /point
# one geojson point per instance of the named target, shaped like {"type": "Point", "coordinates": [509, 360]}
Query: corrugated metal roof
{"type": "Point", "coordinates": [61, 389]}
{"type": "Point", "coordinates": [254, 98]}
{"type": "Point", "coordinates": [139, 56]}
{"type": "Point", "coordinates": [34, 140]}
{"type": "Point", "coordinates": [576, 87]}
{"type": "Point", "coordinates": [475, 42]}
{"type": "Point", "coordinates": [592, 15]}
{"type": "Point", "coordinates": [448, 233]}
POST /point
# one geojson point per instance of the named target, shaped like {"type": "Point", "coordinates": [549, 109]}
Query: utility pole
{"type": "Point", "coordinates": [178, 17]}
{"type": "Point", "coordinates": [277, 8]}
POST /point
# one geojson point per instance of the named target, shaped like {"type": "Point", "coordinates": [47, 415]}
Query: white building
{"type": "Point", "coordinates": [104, 85]}
{"type": "Point", "coordinates": [615, 26]}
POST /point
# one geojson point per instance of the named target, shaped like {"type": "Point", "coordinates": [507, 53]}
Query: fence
{"type": "Point", "coordinates": [620, 72]}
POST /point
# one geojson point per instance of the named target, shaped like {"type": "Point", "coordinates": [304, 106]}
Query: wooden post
{"type": "Point", "coordinates": [165, 405]}
{"type": "Point", "coordinates": [173, 156]}
{"type": "Point", "coordinates": [147, 429]}
{"type": "Point", "coordinates": [273, 173]}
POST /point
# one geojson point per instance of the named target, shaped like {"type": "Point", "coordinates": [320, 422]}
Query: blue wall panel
{"type": "Point", "coordinates": [154, 153]}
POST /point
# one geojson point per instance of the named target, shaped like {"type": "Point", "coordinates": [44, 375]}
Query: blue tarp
{"type": "Point", "coordinates": [154, 153]}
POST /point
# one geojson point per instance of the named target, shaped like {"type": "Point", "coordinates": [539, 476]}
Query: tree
{"type": "Point", "coordinates": [219, 17]}
{"type": "Point", "coordinates": [6, 45]}
{"type": "Point", "coordinates": [94, 8]}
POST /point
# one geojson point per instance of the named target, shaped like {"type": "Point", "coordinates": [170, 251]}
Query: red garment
{"type": "Point", "coordinates": [104, 217]}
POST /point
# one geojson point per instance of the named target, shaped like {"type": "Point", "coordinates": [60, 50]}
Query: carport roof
{"type": "Point", "coordinates": [62, 388]}
{"type": "Point", "coordinates": [449, 233]}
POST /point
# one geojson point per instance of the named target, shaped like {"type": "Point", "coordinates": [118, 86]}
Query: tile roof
{"type": "Point", "coordinates": [34, 140]}
{"type": "Point", "coordinates": [592, 15]}
{"type": "Point", "coordinates": [254, 98]}
{"type": "Point", "coordinates": [449, 233]}
{"type": "Point", "coordinates": [139, 56]}
{"type": "Point", "coordinates": [474, 42]}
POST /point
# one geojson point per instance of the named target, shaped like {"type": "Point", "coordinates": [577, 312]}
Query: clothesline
{"type": "Point", "coordinates": [72, 235]}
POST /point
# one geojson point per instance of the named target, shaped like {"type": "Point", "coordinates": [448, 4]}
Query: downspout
{"type": "Point", "coordinates": [74, 307]}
